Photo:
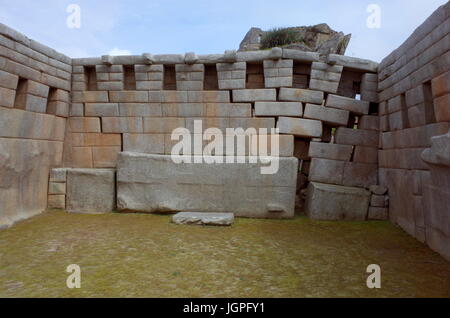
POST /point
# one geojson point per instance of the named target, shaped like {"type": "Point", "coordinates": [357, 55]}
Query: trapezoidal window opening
{"type": "Point", "coordinates": [170, 79]}
{"type": "Point", "coordinates": [129, 78]}
{"type": "Point", "coordinates": [430, 116]}
{"type": "Point", "coordinates": [255, 76]}
{"type": "Point", "coordinates": [91, 78]}
{"type": "Point", "coordinates": [211, 81]}
{"type": "Point", "coordinates": [301, 75]}
{"type": "Point", "coordinates": [20, 99]}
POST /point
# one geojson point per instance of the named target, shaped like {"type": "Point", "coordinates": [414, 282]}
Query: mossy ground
{"type": "Point", "coordinates": [135, 255]}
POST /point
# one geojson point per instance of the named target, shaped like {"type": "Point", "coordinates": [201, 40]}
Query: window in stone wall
{"type": "Point", "coordinates": [350, 83]}
{"type": "Point", "coordinates": [404, 112]}
{"type": "Point", "coordinates": [20, 99]}
{"type": "Point", "coordinates": [170, 82]}
{"type": "Point", "coordinates": [91, 78]}
{"type": "Point", "coordinates": [302, 75]}
{"type": "Point", "coordinates": [211, 82]}
{"type": "Point", "coordinates": [51, 100]}
{"type": "Point", "coordinates": [255, 76]}
{"type": "Point", "coordinates": [129, 78]}
{"type": "Point", "coordinates": [430, 117]}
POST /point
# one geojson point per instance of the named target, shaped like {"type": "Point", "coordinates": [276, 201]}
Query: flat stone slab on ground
{"type": "Point", "coordinates": [199, 218]}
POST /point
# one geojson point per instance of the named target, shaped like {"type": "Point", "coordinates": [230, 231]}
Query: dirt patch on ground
{"type": "Point", "coordinates": [136, 255]}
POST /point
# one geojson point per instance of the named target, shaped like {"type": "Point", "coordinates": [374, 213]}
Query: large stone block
{"type": "Point", "coordinates": [144, 143]}
{"type": "Point", "coordinates": [357, 137]}
{"type": "Point", "coordinates": [8, 80]}
{"type": "Point", "coordinates": [90, 191]}
{"type": "Point", "coordinates": [122, 125]}
{"type": "Point", "coordinates": [330, 116]}
{"type": "Point", "coordinates": [7, 97]}
{"type": "Point", "coordinates": [330, 151]}
{"type": "Point", "coordinates": [331, 202]}
{"type": "Point", "coordinates": [360, 174]}
{"type": "Point", "coordinates": [326, 171]}
{"type": "Point", "coordinates": [198, 218]}
{"type": "Point", "coordinates": [154, 183]}
{"type": "Point", "coordinates": [300, 127]}
{"type": "Point", "coordinates": [301, 95]}
{"type": "Point", "coordinates": [291, 109]}
{"type": "Point", "coordinates": [355, 106]}
{"type": "Point", "coordinates": [442, 108]}
{"type": "Point", "coordinates": [254, 95]}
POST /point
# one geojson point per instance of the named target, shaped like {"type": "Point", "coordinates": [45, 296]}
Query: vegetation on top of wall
{"type": "Point", "coordinates": [278, 37]}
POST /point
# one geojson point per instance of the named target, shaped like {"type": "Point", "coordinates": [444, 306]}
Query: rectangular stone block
{"type": "Point", "coordinates": [369, 122]}
{"type": "Point", "coordinates": [360, 174]}
{"type": "Point", "coordinates": [357, 137]}
{"type": "Point", "coordinates": [228, 110]}
{"type": "Point", "coordinates": [256, 123]}
{"type": "Point", "coordinates": [58, 175]}
{"type": "Point", "coordinates": [154, 183]}
{"type": "Point", "coordinates": [378, 214]}
{"type": "Point", "coordinates": [254, 95]}
{"type": "Point", "coordinates": [441, 85]}
{"type": "Point", "coordinates": [378, 201]}
{"type": "Point", "coordinates": [301, 95]}
{"type": "Point", "coordinates": [327, 115]}
{"type": "Point", "coordinates": [8, 80]}
{"type": "Point", "coordinates": [357, 107]}
{"type": "Point", "coordinates": [326, 86]}
{"type": "Point", "coordinates": [90, 190]}
{"type": "Point", "coordinates": [365, 154]}
{"type": "Point", "coordinates": [442, 108]}
{"type": "Point", "coordinates": [300, 127]}
{"type": "Point", "coordinates": [326, 171]}
{"type": "Point", "coordinates": [291, 109]}
{"type": "Point", "coordinates": [144, 143]}
{"type": "Point", "coordinates": [330, 151]}
{"type": "Point", "coordinates": [183, 110]}
{"type": "Point", "coordinates": [56, 202]}
{"type": "Point", "coordinates": [122, 125]}
{"type": "Point", "coordinates": [80, 157]}
{"type": "Point", "coordinates": [334, 203]}
{"type": "Point", "coordinates": [128, 97]}
{"type": "Point", "coordinates": [90, 97]}
{"type": "Point", "coordinates": [31, 103]}
{"type": "Point", "coordinates": [56, 188]}
{"type": "Point", "coordinates": [95, 139]}
{"type": "Point", "coordinates": [58, 108]}
{"type": "Point", "coordinates": [82, 124]}
{"type": "Point", "coordinates": [7, 97]}
{"type": "Point", "coordinates": [105, 157]}
{"type": "Point", "coordinates": [140, 109]}
{"type": "Point", "coordinates": [101, 109]}
{"type": "Point", "coordinates": [163, 125]}
{"type": "Point", "coordinates": [206, 97]}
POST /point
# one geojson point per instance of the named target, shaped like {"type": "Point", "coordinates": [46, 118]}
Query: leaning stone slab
{"type": "Point", "coordinates": [300, 127]}
{"type": "Point", "coordinates": [199, 218]}
{"type": "Point", "coordinates": [90, 190]}
{"type": "Point", "coordinates": [358, 107]}
{"type": "Point", "coordinates": [332, 202]}
{"type": "Point", "coordinates": [301, 95]}
{"type": "Point", "coordinates": [155, 183]}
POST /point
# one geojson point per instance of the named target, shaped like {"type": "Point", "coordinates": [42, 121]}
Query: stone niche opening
{"type": "Point", "coordinates": [211, 81]}
{"type": "Point", "coordinates": [19, 101]}
{"type": "Point", "coordinates": [255, 76]}
{"type": "Point", "coordinates": [129, 78]}
{"type": "Point", "coordinates": [350, 83]}
{"type": "Point", "coordinates": [91, 78]}
{"type": "Point", "coordinates": [170, 81]}
{"type": "Point", "coordinates": [301, 75]}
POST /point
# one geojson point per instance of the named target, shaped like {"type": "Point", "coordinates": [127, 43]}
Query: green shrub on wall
{"type": "Point", "coordinates": [278, 37]}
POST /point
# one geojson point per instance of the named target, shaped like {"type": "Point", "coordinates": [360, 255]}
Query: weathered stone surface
{"type": "Point", "coordinates": [330, 151]}
{"type": "Point", "coordinates": [24, 171]}
{"type": "Point", "coordinates": [357, 137]}
{"type": "Point", "coordinates": [301, 95]}
{"type": "Point", "coordinates": [199, 218]}
{"type": "Point", "coordinates": [291, 109]}
{"type": "Point", "coordinates": [58, 175]}
{"type": "Point", "coordinates": [327, 115]}
{"type": "Point", "coordinates": [300, 127]}
{"type": "Point", "coordinates": [355, 106]}
{"type": "Point", "coordinates": [254, 95]}
{"type": "Point", "coordinates": [154, 183]}
{"type": "Point", "coordinates": [378, 189]}
{"type": "Point", "coordinates": [90, 191]}
{"type": "Point", "coordinates": [331, 202]}
{"type": "Point", "coordinates": [326, 171]}
{"type": "Point", "coordinates": [57, 201]}
{"type": "Point", "coordinates": [378, 213]}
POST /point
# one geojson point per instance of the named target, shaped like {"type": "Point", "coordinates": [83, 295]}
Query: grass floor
{"type": "Point", "coordinates": [136, 255]}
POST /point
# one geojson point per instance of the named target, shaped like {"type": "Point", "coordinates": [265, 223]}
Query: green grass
{"type": "Point", "coordinates": [278, 37]}
{"type": "Point", "coordinates": [137, 255]}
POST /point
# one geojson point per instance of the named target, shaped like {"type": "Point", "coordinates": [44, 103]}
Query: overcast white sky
{"type": "Point", "coordinates": [206, 26]}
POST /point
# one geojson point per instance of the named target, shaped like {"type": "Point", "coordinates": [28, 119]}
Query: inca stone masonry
{"type": "Point", "coordinates": [359, 140]}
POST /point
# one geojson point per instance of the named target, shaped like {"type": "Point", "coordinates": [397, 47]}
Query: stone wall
{"type": "Point", "coordinates": [35, 84]}
{"type": "Point", "coordinates": [414, 83]}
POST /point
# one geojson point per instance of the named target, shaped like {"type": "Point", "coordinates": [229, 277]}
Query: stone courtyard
{"type": "Point", "coordinates": [360, 153]}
